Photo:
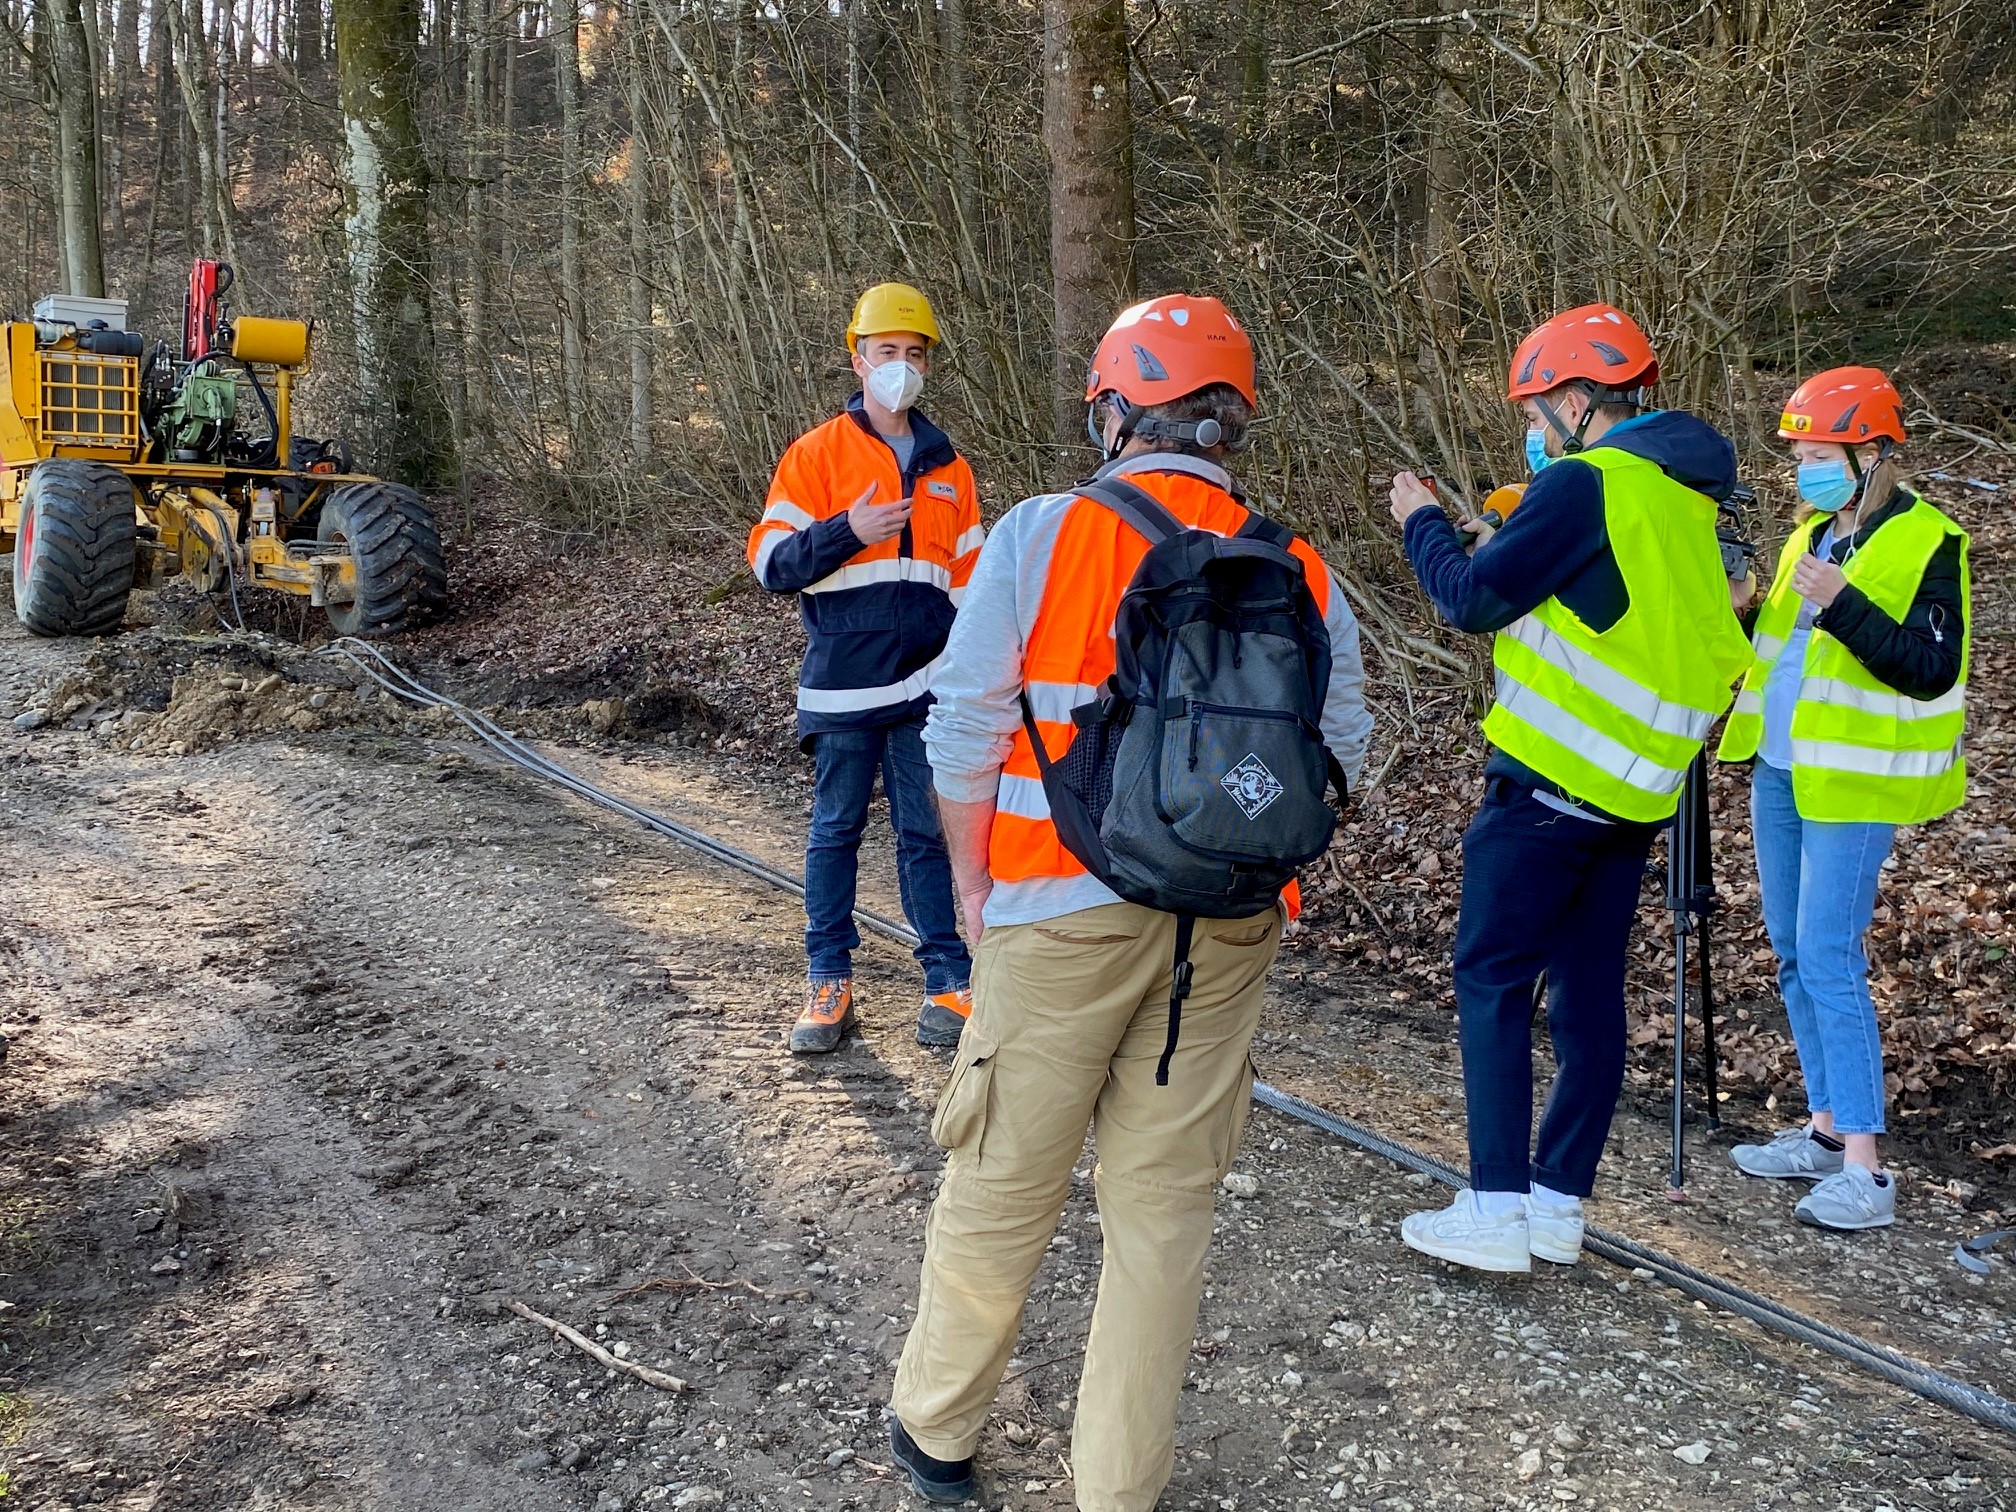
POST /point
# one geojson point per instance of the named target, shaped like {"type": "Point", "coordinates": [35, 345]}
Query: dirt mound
{"type": "Point", "coordinates": [170, 692]}
{"type": "Point", "coordinates": [210, 707]}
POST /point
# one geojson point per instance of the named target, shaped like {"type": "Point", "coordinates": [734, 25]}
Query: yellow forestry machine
{"type": "Point", "coordinates": [122, 465]}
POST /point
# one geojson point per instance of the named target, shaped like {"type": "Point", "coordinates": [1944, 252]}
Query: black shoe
{"type": "Point", "coordinates": [937, 1480]}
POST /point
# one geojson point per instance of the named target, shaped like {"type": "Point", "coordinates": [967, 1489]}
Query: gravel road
{"type": "Point", "coordinates": [328, 1039]}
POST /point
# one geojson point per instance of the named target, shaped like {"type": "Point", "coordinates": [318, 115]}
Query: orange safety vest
{"type": "Point", "coordinates": [1069, 651]}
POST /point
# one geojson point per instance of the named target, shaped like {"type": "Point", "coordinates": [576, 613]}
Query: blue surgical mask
{"type": "Point", "coordinates": [1827, 486]}
{"type": "Point", "coordinates": [1536, 450]}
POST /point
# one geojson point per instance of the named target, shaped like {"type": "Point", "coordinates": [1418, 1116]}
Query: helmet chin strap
{"type": "Point", "coordinates": [1861, 474]}
{"type": "Point", "coordinates": [1571, 441]}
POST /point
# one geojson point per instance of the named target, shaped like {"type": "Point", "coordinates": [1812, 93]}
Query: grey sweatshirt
{"type": "Point", "coordinates": [977, 687]}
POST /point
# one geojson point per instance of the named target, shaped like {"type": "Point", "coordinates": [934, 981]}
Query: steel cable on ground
{"type": "Point", "coordinates": [1974, 1402]}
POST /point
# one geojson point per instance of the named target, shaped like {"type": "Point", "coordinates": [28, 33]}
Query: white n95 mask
{"type": "Point", "coordinates": [895, 385]}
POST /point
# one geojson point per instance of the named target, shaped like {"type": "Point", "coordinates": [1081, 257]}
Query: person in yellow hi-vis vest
{"type": "Point", "coordinates": [1617, 648]}
{"type": "Point", "coordinates": [1853, 711]}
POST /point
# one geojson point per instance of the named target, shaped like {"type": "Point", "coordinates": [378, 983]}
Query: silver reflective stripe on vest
{"type": "Point", "coordinates": [1022, 796]}
{"type": "Point", "coordinates": [1881, 702]}
{"type": "Point", "coordinates": [1053, 702]}
{"type": "Point", "coordinates": [1610, 685]}
{"type": "Point", "coordinates": [1749, 701]}
{"type": "Point", "coordinates": [1767, 647]}
{"type": "Point", "coordinates": [1611, 756]}
{"type": "Point", "coordinates": [1872, 762]}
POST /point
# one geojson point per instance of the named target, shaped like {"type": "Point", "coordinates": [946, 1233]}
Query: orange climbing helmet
{"type": "Point", "coordinates": [1162, 349]}
{"type": "Point", "coordinates": [1597, 344]}
{"type": "Point", "coordinates": [1849, 405]}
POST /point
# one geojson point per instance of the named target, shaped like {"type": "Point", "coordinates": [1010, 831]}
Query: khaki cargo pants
{"type": "Point", "coordinates": [1069, 1020]}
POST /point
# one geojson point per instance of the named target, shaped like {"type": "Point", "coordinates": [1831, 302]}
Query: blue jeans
{"type": "Point", "coordinates": [1543, 891]}
{"type": "Point", "coordinates": [846, 762]}
{"type": "Point", "coordinates": [1818, 883]}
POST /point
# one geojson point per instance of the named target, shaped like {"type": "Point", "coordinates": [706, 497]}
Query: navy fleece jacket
{"type": "Point", "coordinates": [1556, 545]}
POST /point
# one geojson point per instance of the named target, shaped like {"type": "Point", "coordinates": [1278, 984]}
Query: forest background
{"type": "Point", "coordinates": [604, 252]}
{"type": "Point", "coordinates": [585, 267]}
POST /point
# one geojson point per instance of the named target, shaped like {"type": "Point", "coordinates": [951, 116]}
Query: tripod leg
{"type": "Point", "coordinates": [1708, 1066]}
{"type": "Point", "coordinates": [1678, 1176]}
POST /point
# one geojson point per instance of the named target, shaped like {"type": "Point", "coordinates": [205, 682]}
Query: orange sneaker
{"type": "Point", "coordinates": [828, 1015]}
{"type": "Point", "coordinates": [943, 1017]}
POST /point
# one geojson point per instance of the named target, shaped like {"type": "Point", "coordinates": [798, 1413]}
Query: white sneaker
{"type": "Point", "coordinates": [1554, 1231]}
{"type": "Point", "coordinates": [1465, 1233]}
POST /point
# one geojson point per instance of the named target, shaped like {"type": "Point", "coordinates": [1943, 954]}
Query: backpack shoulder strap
{"type": "Point", "coordinates": [1139, 508]}
{"type": "Point", "coordinates": [1259, 528]}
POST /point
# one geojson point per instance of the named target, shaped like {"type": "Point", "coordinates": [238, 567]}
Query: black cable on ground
{"type": "Point", "coordinates": [1913, 1375]}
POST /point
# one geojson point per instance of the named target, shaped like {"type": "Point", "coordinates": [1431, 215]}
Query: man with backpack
{"type": "Point", "coordinates": [1146, 694]}
{"type": "Point", "coordinates": [1616, 648]}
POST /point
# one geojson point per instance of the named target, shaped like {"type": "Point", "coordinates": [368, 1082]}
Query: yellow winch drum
{"type": "Point", "coordinates": [284, 343]}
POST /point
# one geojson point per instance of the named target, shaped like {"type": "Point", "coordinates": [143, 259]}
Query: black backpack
{"type": "Point", "coordinates": [1194, 783]}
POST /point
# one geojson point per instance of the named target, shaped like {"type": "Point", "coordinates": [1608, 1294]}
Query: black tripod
{"type": "Point", "coordinates": [1691, 897]}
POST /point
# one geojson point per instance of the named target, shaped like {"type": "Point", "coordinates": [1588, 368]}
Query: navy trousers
{"type": "Point", "coordinates": [1543, 890]}
{"type": "Point", "coordinates": [847, 761]}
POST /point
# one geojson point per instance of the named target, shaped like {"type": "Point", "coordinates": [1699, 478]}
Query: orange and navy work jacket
{"type": "Point", "coordinates": [876, 617]}
{"type": "Point", "coordinates": [1038, 619]}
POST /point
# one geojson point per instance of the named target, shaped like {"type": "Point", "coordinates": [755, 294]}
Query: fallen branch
{"type": "Point", "coordinates": [691, 1282]}
{"type": "Point", "coordinates": [588, 1346]}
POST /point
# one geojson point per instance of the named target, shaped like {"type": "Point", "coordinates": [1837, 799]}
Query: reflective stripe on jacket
{"type": "Point", "coordinates": [1861, 751]}
{"type": "Point", "coordinates": [876, 617]}
{"type": "Point", "coordinates": [1615, 718]}
{"type": "Point", "coordinates": [1040, 620]}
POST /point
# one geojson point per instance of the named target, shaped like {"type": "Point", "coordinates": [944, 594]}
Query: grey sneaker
{"type": "Point", "coordinates": [1852, 1198]}
{"type": "Point", "coordinates": [1793, 1155]}
{"type": "Point", "coordinates": [943, 1017]}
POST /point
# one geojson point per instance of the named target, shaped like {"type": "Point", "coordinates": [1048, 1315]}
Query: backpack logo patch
{"type": "Point", "coordinates": [1251, 785]}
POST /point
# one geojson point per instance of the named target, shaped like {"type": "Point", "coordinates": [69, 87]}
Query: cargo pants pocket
{"type": "Point", "coordinates": [1235, 1130]}
{"type": "Point", "coordinates": [961, 1119]}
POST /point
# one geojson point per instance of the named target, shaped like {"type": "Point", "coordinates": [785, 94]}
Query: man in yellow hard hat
{"type": "Point", "coordinates": [874, 522]}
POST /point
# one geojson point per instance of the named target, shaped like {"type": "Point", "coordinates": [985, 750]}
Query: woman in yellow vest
{"type": "Point", "coordinates": [1853, 711]}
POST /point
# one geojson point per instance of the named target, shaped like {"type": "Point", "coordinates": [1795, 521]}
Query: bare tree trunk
{"type": "Point", "coordinates": [391, 264]}
{"type": "Point", "coordinates": [573, 296]}
{"type": "Point", "coordinates": [126, 84]}
{"type": "Point", "coordinates": [854, 83]}
{"type": "Point", "coordinates": [74, 78]}
{"type": "Point", "coordinates": [959, 107]}
{"type": "Point", "coordinates": [639, 207]}
{"type": "Point", "coordinates": [1444, 193]}
{"type": "Point", "coordinates": [307, 37]}
{"type": "Point", "coordinates": [1250, 117]}
{"type": "Point", "coordinates": [1088, 134]}
{"type": "Point", "coordinates": [485, 51]}
{"type": "Point", "coordinates": [189, 50]}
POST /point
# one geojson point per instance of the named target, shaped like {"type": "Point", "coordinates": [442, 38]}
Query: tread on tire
{"type": "Point", "coordinates": [75, 551]}
{"type": "Point", "coordinates": [402, 575]}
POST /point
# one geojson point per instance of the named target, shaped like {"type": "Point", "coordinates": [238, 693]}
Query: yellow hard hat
{"type": "Point", "coordinates": [892, 307]}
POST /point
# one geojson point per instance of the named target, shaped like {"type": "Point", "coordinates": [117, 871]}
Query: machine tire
{"type": "Point", "coordinates": [75, 551]}
{"type": "Point", "coordinates": [402, 577]}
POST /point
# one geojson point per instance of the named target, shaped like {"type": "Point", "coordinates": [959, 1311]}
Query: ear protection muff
{"type": "Point", "coordinates": [1195, 433]}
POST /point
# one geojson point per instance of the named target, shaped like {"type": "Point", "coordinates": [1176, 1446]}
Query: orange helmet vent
{"type": "Point", "coordinates": [1596, 343]}
{"type": "Point", "coordinates": [1849, 405]}
{"type": "Point", "coordinates": [1162, 349]}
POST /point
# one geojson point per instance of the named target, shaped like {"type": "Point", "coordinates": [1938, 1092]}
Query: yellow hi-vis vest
{"type": "Point", "coordinates": [1616, 717]}
{"type": "Point", "coordinates": [1861, 751]}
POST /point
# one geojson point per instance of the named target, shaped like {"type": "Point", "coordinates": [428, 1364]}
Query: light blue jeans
{"type": "Point", "coordinates": [1819, 889]}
